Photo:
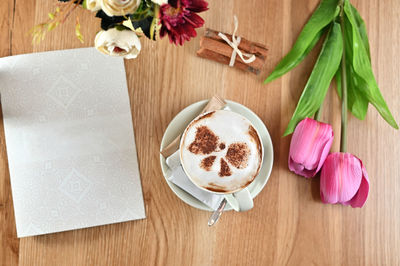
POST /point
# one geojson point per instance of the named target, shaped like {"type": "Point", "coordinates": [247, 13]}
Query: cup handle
{"type": "Point", "coordinates": [240, 201]}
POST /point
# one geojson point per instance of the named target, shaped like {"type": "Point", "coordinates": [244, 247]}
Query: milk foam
{"type": "Point", "coordinates": [230, 130]}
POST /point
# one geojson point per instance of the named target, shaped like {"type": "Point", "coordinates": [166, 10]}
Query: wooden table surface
{"type": "Point", "coordinates": [289, 224]}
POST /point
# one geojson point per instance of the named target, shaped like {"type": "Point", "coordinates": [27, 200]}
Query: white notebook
{"type": "Point", "coordinates": [70, 142]}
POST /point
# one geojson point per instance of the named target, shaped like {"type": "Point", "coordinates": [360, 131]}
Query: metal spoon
{"type": "Point", "coordinates": [217, 213]}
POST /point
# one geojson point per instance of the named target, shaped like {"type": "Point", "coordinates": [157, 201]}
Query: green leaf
{"type": "Point", "coordinates": [128, 23]}
{"type": "Point", "coordinates": [362, 30]}
{"type": "Point", "coordinates": [356, 101]}
{"type": "Point", "coordinates": [322, 16]}
{"type": "Point", "coordinates": [362, 67]}
{"type": "Point", "coordinates": [144, 11]}
{"type": "Point", "coordinates": [120, 27]}
{"type": "Point", "coordinates": [321, 76]}
{"type": "Point", "coordinates": [154, 24]}
{"type": "Point", "coordinates": [145, 26]}
{"type": "Point", "coordinates": [338, 79]}
{"type": "Point", "coordinates": [78, 31]}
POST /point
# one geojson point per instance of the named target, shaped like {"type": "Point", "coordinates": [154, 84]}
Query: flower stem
{"type": "Point", "coordinates": [317, 115]}
{"type": "Point", "coordinates": [343, 134]}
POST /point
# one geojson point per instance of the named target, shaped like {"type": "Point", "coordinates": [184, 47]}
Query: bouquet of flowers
{"type": "Point", "coordinates": [345, 56]}
{"type": "Point", "coordinates": [124, 21]}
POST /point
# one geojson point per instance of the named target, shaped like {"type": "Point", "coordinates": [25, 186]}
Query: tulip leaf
{"type": "Point", "coordinates": [357, 103]}
{"type": "Point", "coordinates": [309, 36]}
{"type": "Point", "coordinates": [362, 30]}
{"type": "Point", "coordinates": [338, 79]}
{"type": "Point", "coordinates": [362, 67]}
{"type": "Point", "coordinates": [321, 76]}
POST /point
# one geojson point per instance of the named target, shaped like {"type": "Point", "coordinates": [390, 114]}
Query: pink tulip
{"type": "Point", "coordinates": [311, 142]}
{"type": "Point", "coordinates": [344, 180]}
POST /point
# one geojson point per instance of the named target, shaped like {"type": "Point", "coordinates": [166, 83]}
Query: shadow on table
{"type": "Point", "coordinates": [315, 182]}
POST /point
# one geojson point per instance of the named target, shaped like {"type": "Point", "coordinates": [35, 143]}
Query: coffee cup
{"type": "Point", "coordinates": [221, 152]}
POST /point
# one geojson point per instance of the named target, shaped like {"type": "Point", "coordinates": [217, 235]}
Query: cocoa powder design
{"type": "Point", "coordinates": [238, 154]}
{"type": "Point", "coordinates": [225, 169]}
{"type": "Point", "coordinates": [207, 162]}
{"type": "Point", "coordinates": [205, 141]}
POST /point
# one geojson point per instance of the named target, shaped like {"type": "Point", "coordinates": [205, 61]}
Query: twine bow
{"type": "Point", "coordinates": [234, 44]}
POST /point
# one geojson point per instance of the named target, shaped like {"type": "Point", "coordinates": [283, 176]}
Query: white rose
{"type": "Point", "coordinates": [93, 5]}
{"type": "Point", "coordinates": [160, 2]}
{"type": "Point", "coordinates": [118, 43]}
{"type": "Point", "coordinates": [119, 7]}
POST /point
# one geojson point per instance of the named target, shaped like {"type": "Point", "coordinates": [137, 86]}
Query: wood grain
{"type": "Point", "coordinates": [289, 225]}
{"type": "Point", "coordinates": [9, 242]}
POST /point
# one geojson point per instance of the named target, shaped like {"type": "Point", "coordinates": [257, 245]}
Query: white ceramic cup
{"type": "Point", "coordinates": [240, 200]}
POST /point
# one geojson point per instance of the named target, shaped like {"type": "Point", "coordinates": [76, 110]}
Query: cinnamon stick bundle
{"type": "Point", "coordinates": [213, 47]}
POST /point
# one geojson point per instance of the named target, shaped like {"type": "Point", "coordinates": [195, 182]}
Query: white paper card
{"type": "Point", "coordinates": [70, 143]}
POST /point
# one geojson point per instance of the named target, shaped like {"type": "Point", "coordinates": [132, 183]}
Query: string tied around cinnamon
{"type": "Point", "coordinates": [246, 58]}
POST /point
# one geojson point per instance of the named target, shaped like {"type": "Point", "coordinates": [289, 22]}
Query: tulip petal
{"type": "Point", "coordinates": [322, 141]}
{"type": "Point", "coordinates": [300, 170]}
{"type": "Point", "coordinates": [340, 178]}
{"type": "Point", "coordinates": [329, 185]}
{"type": "Point", "coordinates": [295, 167]}
{"type": "Point", "coordinates": [301, 140]}
{"type": "Point", "coordinates": [309, 147]}
{"type": "Point", "coordinates": [361, 197]}
{"type": "Point", "coordinates": [324, 153]}
{"type": "Point", "coordinates": [351, 176]}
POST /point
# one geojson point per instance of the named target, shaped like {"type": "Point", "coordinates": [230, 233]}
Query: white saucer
{"type": "Point", "coordinates": [178, 125]}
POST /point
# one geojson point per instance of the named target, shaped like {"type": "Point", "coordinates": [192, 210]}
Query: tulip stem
{"type": "Point", "coordinates": [318, 113]}
{"type": "Point", "coordinates": [343, 133]}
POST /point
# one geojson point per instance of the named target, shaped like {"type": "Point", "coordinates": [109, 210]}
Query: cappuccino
{"type": "Point", "coordinates": [221, 151]}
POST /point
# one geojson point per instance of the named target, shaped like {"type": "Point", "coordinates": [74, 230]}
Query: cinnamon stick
{"type": "Point", "coordinates": [213, 47]}
{"type": "Point", "coordinates": [224, 49]}
{"type": "Point", "coordinates": [212, 55]}
{"type": "Point", "coordinates": [247, 46]}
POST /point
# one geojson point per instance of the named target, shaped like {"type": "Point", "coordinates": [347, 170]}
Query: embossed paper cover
{"type": "Point", "coordinates": [70, 142]}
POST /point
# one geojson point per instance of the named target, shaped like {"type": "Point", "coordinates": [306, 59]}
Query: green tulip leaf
{"type": "Point", "coordinates": [321, 76]}
{"type": "Point", "coordinates": [362, 30]}
{"type": "Point", "coordinates": [308, 38]}
{"type": "Point", "coordinates": [362, 68]}
{"type": "Point", "coordinates": [357, 103]}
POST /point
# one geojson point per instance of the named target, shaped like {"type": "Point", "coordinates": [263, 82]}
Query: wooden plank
{"type": "Point", "coordinates": [8, 241]}
{"type": "Point", "coordinates": [289, 224]}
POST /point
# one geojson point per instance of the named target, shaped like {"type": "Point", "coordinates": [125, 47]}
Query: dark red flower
{"type": "Point", "coordinates": [179, 19]}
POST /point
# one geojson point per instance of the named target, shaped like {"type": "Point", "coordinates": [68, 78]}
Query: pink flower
{"type": "Point", "coordinates": [179, 19]}
{"type": "Point", "coordinates": [310, 145]}
{"type": "Point", "coordinates": [344, 180]}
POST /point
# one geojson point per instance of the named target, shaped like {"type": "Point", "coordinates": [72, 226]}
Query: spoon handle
{"type": "Point", "coordinates": [217, 213]}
